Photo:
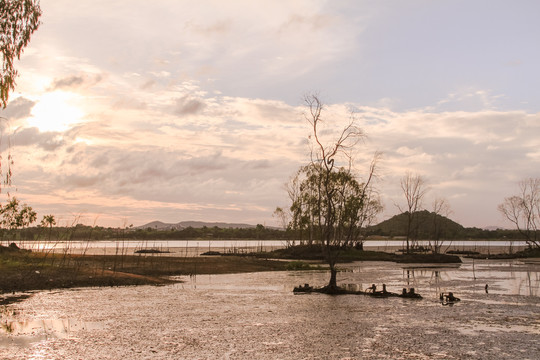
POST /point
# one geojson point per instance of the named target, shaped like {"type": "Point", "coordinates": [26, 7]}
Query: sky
{"type": "Point", "coordinates": [127, 112]}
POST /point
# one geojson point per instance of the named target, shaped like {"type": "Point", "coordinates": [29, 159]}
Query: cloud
{"type": "Point", "coordinates": [198, 109]}
{"type": "Point", "coordinates": [78, 181]}
{"type": "Point", "coordinates": [187, 105]}
{"type": "Point", "coordinates": [196, 151]}
{"type": "Point", "coordinates": [48, 141]}
{"type": "Point", "coordinates": [75, 81]}
{"type": "Point", "coordinates": [475, 154]}
{"type": "Point", "coordinates": [17, 108]}
{"type": "Point", "coordinates": [242, 151]}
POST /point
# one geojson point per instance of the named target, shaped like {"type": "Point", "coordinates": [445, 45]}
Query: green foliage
{"type": "Point", "coordinates": [318, 217]}
{"type": "Point", "coordinates": [15, 216]}
{"type": "Point", "coordinates": [19, 19]}
{"type": "Point", "coordinates": [388, 228]}
{"type": "Point", "coordinates": [84, 232]}
{"type": "Point", "coordinates": [48, 221]}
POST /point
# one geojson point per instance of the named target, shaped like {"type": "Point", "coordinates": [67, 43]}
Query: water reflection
{"type": "Point", "coordinates": [508, 277]}
{"type": "Point", "coordinates": [26, 332]}
{"type": "Point", "coordinates": [257, 315]}
{"type": "Point", "coordinates": [502, 277]}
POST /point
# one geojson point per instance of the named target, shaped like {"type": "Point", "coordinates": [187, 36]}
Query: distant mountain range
{"type": "Point", "coordinates": [427, 224]}
{"type": "Point", "coordinates": [158, 225]}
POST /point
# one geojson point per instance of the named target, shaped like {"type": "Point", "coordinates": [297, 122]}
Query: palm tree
{"type": "Point", "coordinates": [48, 221]}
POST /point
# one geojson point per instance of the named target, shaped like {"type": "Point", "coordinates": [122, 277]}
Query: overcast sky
{"type": "Point", "coordinates": [131, 111]}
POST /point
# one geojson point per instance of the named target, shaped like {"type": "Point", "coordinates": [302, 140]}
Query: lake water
{"type": "Point", "coordinates": [196, 247]}
{"type": "Point", "coordinates": [256, 316]}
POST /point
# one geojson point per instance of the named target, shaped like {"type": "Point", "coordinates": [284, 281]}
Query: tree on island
{"type": "Point", "coordinates": [329, 202]}
{"type": "Point", "coordinates": [523, 210]}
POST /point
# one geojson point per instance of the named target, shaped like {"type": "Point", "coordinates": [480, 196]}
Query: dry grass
{"type": "Point", "coordinates": [23, 271]}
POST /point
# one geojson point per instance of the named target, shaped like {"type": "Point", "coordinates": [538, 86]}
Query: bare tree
{"type": "Point", "coordinates": [369, 207]}
{"type": "Point", "coordinates": [283, 217]}
{"type": "Point", "coordinates": [523, 210]}
{"type": "Point", "coordinates": [440, 207]}
{"type": "Point", "coordinates": [324, 158]}
{"type": "Point", "coordinates": [414, 188]}
{"type": "Point", "coordinates": [329, 203]}
{"type": "Point", "coordinates": [299, 223]}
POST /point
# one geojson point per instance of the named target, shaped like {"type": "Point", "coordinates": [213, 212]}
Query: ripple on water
{"type": "Point", "coordinates": [256, 315]}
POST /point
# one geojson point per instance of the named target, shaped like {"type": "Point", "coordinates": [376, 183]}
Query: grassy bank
{"type": "Point", "coordinates": [23, 270]}
{"type": "Point", "coordinates": [306, 252]}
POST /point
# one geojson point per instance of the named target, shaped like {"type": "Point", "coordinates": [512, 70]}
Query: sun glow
{"type": "Point", "coordinates": [55, 112]}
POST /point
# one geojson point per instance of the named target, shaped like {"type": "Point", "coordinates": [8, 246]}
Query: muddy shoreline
{"type": "Point", "coordinates": [28, 271]}
{"type": "Point", "coordinates": [255, 315]}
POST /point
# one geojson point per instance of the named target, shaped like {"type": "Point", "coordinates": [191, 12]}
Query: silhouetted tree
{"type": "Point", "coordinates": [414, 188]}
{"type": "Point", "coordinates": [48, 221]}
{"type": "Point", "coordinates": [440, 208]}
{"type": "Point", "coordinates": [16, 216]}
{"type": "Point", "coordinates": [329, 202]}
{"type": "Point", "coordinates": [523, 210]}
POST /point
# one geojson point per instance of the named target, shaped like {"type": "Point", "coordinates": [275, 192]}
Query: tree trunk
{"type": "Point", "coordinates": [408, 243]}
{"type": "Point", "coordinates": [332, 285]}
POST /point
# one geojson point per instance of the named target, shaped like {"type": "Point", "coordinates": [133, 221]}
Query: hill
{"type": "Point", "coordinates": [158, 225]}
{"type": "Point", "coordinates": [427, 225]}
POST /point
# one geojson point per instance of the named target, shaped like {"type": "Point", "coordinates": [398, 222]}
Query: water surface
{"type": "Point", "coordinates": [256, 315]}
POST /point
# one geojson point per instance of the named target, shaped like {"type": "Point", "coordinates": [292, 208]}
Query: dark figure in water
{"type": "Point", "coordinates": [450, 299]}
{"type": "Point", "coordinates": [411, 294]}
{"type": "Point", "coordinates": [486, 288]}
{"type": "Point", "coordinates": [373, 288]}
{"type": "Point", "coordinates": [384, 289]}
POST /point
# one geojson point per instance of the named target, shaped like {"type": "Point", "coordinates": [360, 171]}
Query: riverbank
{"type": "Point", "coordinates": [256, 315]}
{"type": "Point", "coordinates": [24, 270]}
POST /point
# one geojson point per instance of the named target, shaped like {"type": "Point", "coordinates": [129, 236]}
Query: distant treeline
{"type": "Point", "coordinates": [472, 233]}
{"type": "Point", "coordinates": [83, 232]}
{"type": "Point", "coordinates": [387, 229]}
